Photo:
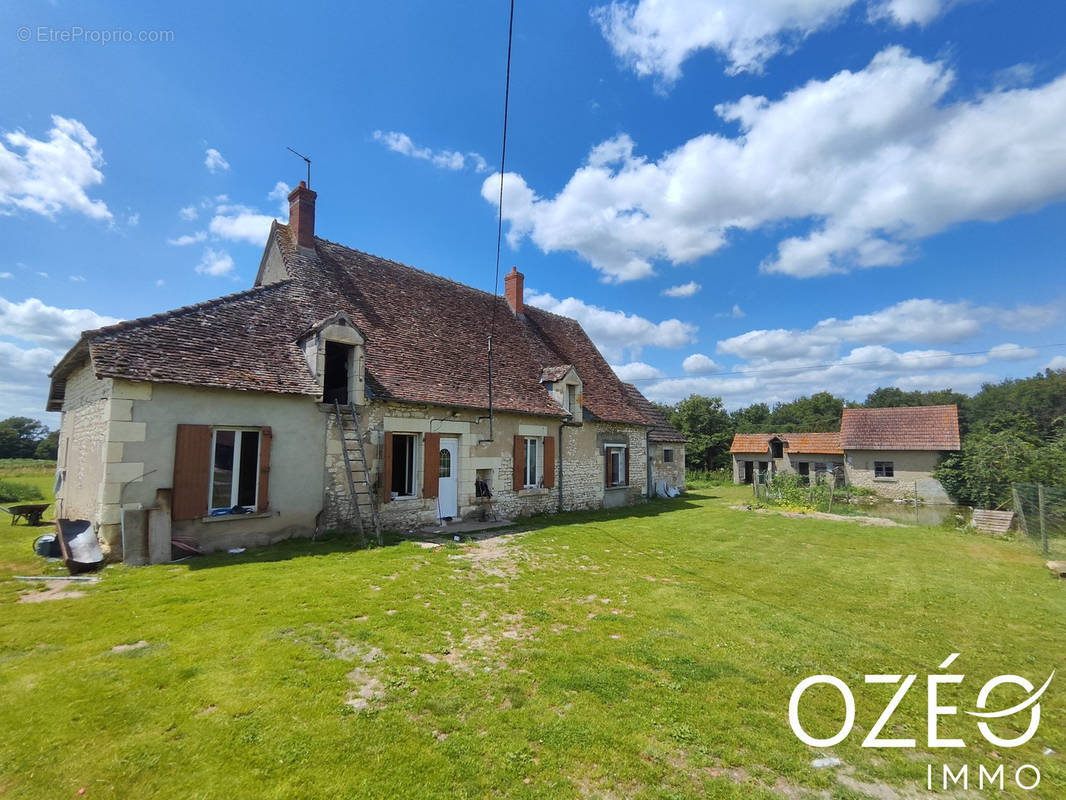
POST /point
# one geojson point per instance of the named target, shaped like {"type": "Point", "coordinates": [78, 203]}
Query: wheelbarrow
{"type": "Point", "coordinates": [31, 512]}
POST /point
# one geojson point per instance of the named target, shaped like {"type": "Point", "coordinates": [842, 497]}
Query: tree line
{"type": "Point", "coordinates": [1013, 431]}
{"type": "Point", "coordinates": [23, 437]}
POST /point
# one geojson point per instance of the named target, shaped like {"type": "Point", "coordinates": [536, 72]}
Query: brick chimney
{"type": "Point", "coordinates": [513, 284]}
{"type": "Point", "coordinates": [302, 215]}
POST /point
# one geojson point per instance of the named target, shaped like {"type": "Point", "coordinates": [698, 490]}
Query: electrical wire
{"type": "Point", "coordinates": [503, 166]}
{"type": "Point", "coordinates": [837, 363]}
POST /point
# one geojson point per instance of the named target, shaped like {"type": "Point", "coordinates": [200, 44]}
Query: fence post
{"type": "Point", "coordinates": [1018, 508]}
{"type": "Point", "coordinates": [917, 519]}
{"type": "Point", "coordinates": [1043, 521]}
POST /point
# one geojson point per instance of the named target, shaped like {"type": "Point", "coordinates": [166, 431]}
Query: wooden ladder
{"type": "Point", "coordinates": [360, 488]}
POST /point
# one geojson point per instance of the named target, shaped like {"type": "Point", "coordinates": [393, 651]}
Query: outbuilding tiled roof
{"type": "Point", "coordinates": [659, 427]}
{"type": "Point", "coordinates": [912, 428]}
{"type": "Point", "coordinates": [425, 338]}
{"type": "Point", "coordinates": [814, 443]}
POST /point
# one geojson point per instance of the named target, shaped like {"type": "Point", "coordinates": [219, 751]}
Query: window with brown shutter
{"type": "Point", "coordinates": [386, 468]}
{"type": "Point", "coordinates": [431, 466]}
{"type": "Point", "coordinates": [549, 463]}
{"type": "Point", "coordinates": [616, 465]}
{"type": "Point", "coordinates": [192, 471]}
{"type": "Point", "coordinates": [519, 477]}
{"type": "Point", "coordinates": [266, 438]}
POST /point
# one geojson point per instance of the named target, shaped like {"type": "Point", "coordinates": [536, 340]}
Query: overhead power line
{"type": "Point", "coordinates": [837, 363]}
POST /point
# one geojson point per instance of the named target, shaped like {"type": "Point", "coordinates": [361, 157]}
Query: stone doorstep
{"type": "Point", "coordinates": [464, 528]}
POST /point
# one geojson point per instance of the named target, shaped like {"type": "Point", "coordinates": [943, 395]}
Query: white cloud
{"type": "Point", "coordinates": [215, 263]}
{"type": "Point", "coordinates": [780, 344]}
{"type": "Point", "coordinates": [699, 364]}
{"type": "Point", "coordinates": [188, 213]}
{"type": "Point", "coordinates": [77, 278]}
{"type": "Point", "coordinates": [34, 321]}
{"type": "Point", "coordinates": [214, 161]}
{"type": "Point", "coordinates": [684, 290]}
{"type": "Point", "coordinates": [908, 12]}
{"type": "Point", "coordinates": [1058, 362]}
{"type": "Point", "coordinates": [188, 238]}
{"type": "Point", "coordinates": [280, 193]}
{"type": "Point", "coordinates": [52, 175]}
{"type": "Point", "coordinates": [1012, 352]}
{"type": "Point", "coordinates": [866, 163]}
{"type": "Point", "coordinates": [736, 312]}
{"type": "Point", "coordinates": [655, 37]}
{"type": "Point", "coordinates": [240, 223]}
{"type": "Point", "coordinates": [909, 321]}
{"type": "Point", "coordinates": [133, 220]}
{"type": "Point", "coordinates": [5, 275]}
{"type": "Point", "coordinates": [44, 275]}
{"type": "Point", "coordinates": [160, 282]}
{"type": "Point", "coordinates": [636, 371]}
{"type": "Point", "coordinates": [616, 332]}
{"type": "Point", "coordinates": [401, 143]}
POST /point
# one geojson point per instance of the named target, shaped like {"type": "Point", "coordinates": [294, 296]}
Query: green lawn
{"type": "Point", "coordinates": [649, 655]}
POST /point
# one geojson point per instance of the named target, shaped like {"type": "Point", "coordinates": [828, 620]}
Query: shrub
{"type": "Point", "coordinates": [15, 492]}
{"type": "Point", "coordinates": [708, 477]}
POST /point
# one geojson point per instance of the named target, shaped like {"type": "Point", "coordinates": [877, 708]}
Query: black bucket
{"type": "Point", "coordinates": [47, 546]}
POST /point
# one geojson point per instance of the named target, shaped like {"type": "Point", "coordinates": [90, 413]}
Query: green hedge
{"type": "Point", "coordinates": [16, 492]}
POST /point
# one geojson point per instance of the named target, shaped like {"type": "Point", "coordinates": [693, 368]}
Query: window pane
{"type": "Point", "coordinates": [403, 457]}
{"type": "Point", "coordinates": [531, 462]}
{"type": "Point", "coordinates": [445, 463]}
{"type": "Point", "coordinates": [248, 470]}
{"type": "Point", "coordinates": [222, 472]}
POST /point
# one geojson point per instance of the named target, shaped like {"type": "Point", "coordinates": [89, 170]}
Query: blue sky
{"type": "Point", "coordinates": [748, 199]}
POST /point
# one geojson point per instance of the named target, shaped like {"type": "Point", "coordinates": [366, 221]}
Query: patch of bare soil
{"type": "Point", "coordinates": [125, 648]}
{"type": "Point", "coordinates": [57, 590]}
{"type": "Point", "coordinates": [876, 522]}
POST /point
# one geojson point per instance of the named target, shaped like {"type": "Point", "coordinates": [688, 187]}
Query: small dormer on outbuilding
{"type": "Point", "coordinates": [335, 354]}
{"type": "Point", "coordinates": [565, 387]}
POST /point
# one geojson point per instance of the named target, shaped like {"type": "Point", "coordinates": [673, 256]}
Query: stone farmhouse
{"type": "Point", "coordinates": [885, 449]}
{"type": "Point", "coordinates": [230, 422]}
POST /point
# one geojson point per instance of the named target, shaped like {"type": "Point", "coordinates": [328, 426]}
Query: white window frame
{"type": "Point", "coordinates": [570, 390]}
{"type": "Point", "coordinates": [623, 448]}
{"type": "Point", "coordinates": [535, 443]}
{"type": "Point", "coordinates": [236, 482]}
{"type": "Point", "coordinates": [412, 464]}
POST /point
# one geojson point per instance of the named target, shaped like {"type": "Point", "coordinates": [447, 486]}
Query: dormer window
{"type": "Point", "coordinates": [336, 376]}
{"type": "Point", "coordinates": [335, 355]}
{"type": "Point", "coordinates": [564, 385]}
{"type": "Point", "coordinates": [778, 448]}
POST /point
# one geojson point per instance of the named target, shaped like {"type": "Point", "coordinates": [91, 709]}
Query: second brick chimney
{"type": "Point", "coordinates": [513, 285]}
{"type": "Point", "coordinates": [302, 215]}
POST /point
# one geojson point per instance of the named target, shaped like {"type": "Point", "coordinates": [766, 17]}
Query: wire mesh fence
{"type": "Point", "coordinates": [1041, 514]}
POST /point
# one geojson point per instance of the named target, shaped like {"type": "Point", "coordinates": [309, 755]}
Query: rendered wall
{"type": "Point", "coordinates": [909, 466]}
{"type": "Point", "coordinates": [297, 456]}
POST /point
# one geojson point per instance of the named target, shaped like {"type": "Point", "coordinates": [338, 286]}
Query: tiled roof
{"type": "Point", "coordinates": [425, 338]}
{"type": "Point", "coordinates": [814, 443]}
{"type": "Point", "coordinates": [659, 427]}
{"type": "Point", "coordinates": [556, 373]}
{"type": "Point", "coordinates": [913, 428]}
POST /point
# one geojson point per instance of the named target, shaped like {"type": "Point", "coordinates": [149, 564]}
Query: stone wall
{"type": "Point", "coordinates": [673, 472]}
{"type": "Point", "coordinates": [582, 464]}
{"type": "Point", "coordinates": [83, 445]}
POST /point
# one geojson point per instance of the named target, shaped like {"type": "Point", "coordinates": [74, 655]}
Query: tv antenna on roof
{"type": "Point", "coordinates": [305, 158]}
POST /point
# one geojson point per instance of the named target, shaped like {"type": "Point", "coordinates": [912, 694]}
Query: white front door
{"type": "Point", "coordinates": [448, 486]}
